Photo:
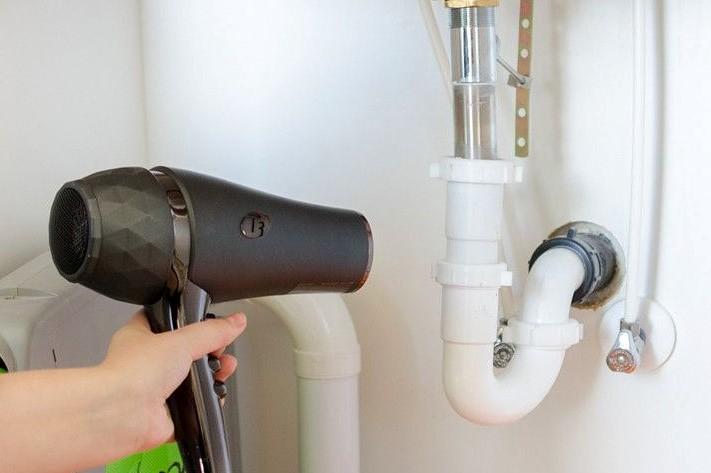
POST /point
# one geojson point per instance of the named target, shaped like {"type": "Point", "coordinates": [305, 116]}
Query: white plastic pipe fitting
{"type": "Point", "coordinates": [541, 334]}
{"type": "Point", "coordinates": [327, 364]}
{"type": "Point", "coordinates": [472, 276]}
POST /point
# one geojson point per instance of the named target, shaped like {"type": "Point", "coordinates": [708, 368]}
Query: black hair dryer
{"type": "Point", "coordinates": [174, 241]}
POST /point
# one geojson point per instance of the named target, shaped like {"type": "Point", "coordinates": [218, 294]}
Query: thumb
{"type": "Point", "coordinates": [202, 338]}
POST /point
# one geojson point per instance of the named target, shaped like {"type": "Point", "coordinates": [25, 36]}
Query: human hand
{"type": "Point", "coordinates": [148, 367]}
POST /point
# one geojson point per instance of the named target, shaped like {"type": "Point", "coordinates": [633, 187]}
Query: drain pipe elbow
{"type": "Point", "coordinates": [327, 359]}
{"type": "Point", "coordinates": [482, 396]}
{"type": "Point", "coordinates": [320, 325]}
{"type": "Point", "coordinates": [565, 270]}
{"type": "Point", "coordinates": [541, 335]}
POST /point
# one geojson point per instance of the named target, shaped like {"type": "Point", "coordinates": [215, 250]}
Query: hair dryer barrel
{"type": "Point", "coordinates": [247, 243]}
{"type": "Point", "coordinates": [114, 232]}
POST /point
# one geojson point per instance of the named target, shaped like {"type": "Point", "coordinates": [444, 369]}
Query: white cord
{"type": "Point", "coordinates": [634, 244]}
{"type": "Point", "coordinates": [437, 43]}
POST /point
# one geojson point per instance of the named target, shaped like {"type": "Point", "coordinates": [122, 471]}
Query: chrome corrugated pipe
{"type": "Point", "coordinates": [474, 51]}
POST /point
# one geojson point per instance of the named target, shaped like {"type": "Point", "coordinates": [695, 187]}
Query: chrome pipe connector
{"type": "Point", "coordinates": [474, 46]}
{"type": "Point", "coordinates": [474, 57]}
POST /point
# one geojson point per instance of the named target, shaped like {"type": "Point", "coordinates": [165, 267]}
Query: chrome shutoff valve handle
{"type": "Point", "coordinates": [625, 355]}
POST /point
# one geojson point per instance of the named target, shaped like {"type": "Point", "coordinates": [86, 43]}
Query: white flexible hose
{"type": "Point", "coordinates": [638, 160]}
{"type": "Point", "coordinates": [437, 43]}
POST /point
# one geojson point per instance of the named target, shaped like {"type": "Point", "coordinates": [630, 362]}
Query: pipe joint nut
{"type": "Point", "coordinates": [477, 171]}
{"type": "Point", "coordinates": [473, 275]}
{"type": "Point", "coordinates": [550, 336]}
{"type": "Point", "coordinates": [598, 255]}
{"type": "Point", "coordinates": [471, 3]}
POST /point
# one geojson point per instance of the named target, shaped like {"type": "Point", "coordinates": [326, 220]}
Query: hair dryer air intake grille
{"type": "Point", "coordinates": [69, 224]}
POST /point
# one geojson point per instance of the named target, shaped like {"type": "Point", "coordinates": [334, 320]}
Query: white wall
{"type": "Point", "coordinates": [340, 102]}
{"type": "Point", "coordinates": [71, 102]}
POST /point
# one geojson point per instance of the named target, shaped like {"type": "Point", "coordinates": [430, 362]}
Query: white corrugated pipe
{"type": "Point", "coordinates": [327, 359]}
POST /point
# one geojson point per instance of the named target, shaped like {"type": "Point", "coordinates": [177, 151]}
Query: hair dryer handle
{"type": "Point", "coordinates": [194, 406]}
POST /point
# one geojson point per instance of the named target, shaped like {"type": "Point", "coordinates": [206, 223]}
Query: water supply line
{"type": "Point", "coordinates": [638, 160]}
{"type": "Point", "coordinates": [625, 355]}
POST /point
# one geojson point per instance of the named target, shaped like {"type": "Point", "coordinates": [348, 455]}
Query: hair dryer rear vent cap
{"type": "Point", "coordinates": [113, 232]}
{"type": "Point", "coordinates": [69, 226]}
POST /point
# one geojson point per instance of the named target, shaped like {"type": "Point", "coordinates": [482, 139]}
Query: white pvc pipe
{"type": "Point", "coordinates": [470, 313]}
{"type": "Point", "coordinates": [328, 425]}
{"type": "Point", "coordinates": [327, 359]}
{"type": "Point", "coordinates": [472, 386]}
{"type": "Point", "coordinates": [478, 395]}
{"type": "Point", "coordinates": [550, 285]}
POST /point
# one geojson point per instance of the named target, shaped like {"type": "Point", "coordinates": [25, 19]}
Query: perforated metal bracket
{"type": "Point", "coordinates": [523, 94]}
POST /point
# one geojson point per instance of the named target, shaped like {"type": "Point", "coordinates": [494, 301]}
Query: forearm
{"type": "Point", "coordinates": [65, 421]}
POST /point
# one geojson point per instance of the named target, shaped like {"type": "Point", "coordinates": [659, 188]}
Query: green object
{"type": "Point", "coordinates": [164, 459]}
{"type": "Point", "coordinates": [2, 370]}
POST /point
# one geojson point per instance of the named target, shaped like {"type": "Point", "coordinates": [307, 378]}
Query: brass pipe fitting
{"type": "Point", "coordinates": [470, 3]}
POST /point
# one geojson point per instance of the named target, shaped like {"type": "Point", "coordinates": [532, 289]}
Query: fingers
{"type": "Point", "coordinates": [218, 353]}
{"type": "Point", "coordinates": [209, 336]}
{"type": "Point", "coordinates": [228, 365]}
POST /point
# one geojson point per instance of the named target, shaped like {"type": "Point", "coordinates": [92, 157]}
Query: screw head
{"type": "Point", "coordinates": [503, 354]}
{"type": "Point", "coordinates": [621, 361]}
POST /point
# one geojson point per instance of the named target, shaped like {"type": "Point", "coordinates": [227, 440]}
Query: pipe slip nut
{"type": "Point", "coordinates": [552, 336]}
{"type": "Point", "coordinates": [600, 254]}
{"type": "Point", "coordinates": [473, 275]}
{"type": "Point", "coordinates": [477, 171]}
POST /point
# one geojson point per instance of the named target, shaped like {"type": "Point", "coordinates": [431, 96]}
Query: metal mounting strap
{"type": "Point", "coordinates": [523, 94]}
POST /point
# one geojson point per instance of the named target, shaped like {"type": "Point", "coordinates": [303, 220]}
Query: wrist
{"type": "Point", "coordinates": [122, 409]}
